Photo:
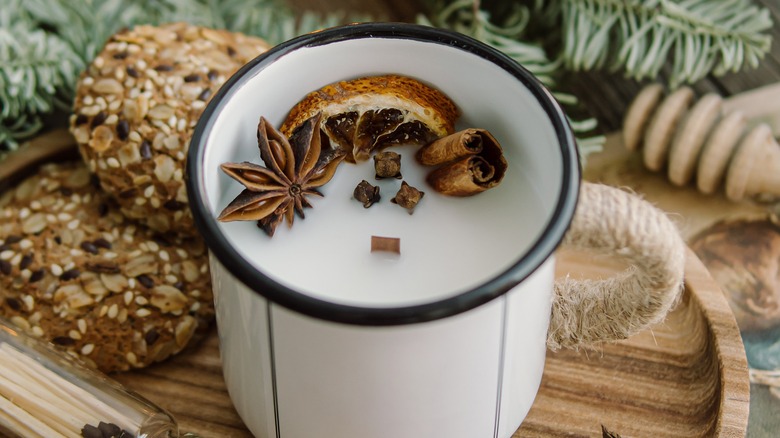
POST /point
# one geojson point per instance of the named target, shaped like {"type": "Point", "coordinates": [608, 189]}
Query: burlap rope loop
{"type": "Point", "coordinates": [612, 221]}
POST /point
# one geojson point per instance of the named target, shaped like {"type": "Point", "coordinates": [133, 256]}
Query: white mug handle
{"type": "Point", "coordinates": [612, 221]}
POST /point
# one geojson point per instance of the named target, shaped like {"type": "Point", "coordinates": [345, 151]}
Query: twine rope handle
{"type": "Point", "coordinates": [612, 221]}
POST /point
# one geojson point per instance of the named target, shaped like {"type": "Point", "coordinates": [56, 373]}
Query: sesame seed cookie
{"type": "Point", "coordinates": [77, 272]}
{"type": "Point", "coordinates": [136, 107]}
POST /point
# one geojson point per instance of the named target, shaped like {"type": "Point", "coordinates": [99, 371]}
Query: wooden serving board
{"type": "Point", "coordinates": [684, 377]}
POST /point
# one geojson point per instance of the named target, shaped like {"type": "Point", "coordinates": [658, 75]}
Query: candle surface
{"type": "Point", "coordinates": [448, 245]}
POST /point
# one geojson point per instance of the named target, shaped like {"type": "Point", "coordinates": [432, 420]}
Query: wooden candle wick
{"type": "Point", "coordinates": [386, 244]}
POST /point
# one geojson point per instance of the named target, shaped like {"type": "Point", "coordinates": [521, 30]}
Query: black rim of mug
{"type": "Point", "coordinates": [278, 293]}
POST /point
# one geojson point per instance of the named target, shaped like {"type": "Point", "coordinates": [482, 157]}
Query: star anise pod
{"type": "Point", "coordinates": [293, 170]}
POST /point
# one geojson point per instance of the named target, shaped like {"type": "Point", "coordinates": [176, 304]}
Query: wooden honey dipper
{"type": "Point", "coordinates": [700, 138]}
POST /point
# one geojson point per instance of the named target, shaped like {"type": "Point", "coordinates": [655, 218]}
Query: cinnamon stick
{"type": "Point", "coordinates": [460, 144]}
{"type": "Point", "coordinates": [472, 161]}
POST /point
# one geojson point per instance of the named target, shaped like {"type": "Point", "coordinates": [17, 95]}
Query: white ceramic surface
{"type": "Point", "coordinates": [472, 375]}
{"type": "Point", "coordinates": [447, 339]}
{"type": "Point", "coordinates": [472, 239]}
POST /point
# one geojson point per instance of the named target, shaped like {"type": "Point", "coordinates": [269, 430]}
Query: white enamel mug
{"type": "Point", "coordinates": [320, 337]}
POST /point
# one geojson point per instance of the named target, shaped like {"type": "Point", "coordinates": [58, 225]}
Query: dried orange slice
{"type": "Point", "coordinates": [372, 113]}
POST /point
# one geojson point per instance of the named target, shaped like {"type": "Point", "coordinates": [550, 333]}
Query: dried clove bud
{"type": "Point", "coordinates": [366, 193]}
{"type": "Point", "coordinates": [407, 197]}
{"type": "Point", "coordinates": [386, 244]}
{"type": "Point", "coordinates": [387, 164]}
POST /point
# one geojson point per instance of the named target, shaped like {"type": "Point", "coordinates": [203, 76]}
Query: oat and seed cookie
{"type": "Point", "coordinates": [75, 271]}
{"type": "Point", "coordinates": [136, 107]}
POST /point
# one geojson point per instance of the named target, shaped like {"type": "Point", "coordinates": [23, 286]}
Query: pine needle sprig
{"type": "Point", "coordinates": [37, 74]}
{"type": "Point", "coordinates": [509, 36]}
{"type": "Point", "coordinates": [640, 37]}
{"type": "Point", "coordinates": [45, 44]}
{"type": "Point", "coordinates": [86, 24]}
{"type": "Point", "coordinates": [35, 67]}
{"type": "Point", "coordinates": [12, 130]}
{"type": "Point", "coordinates": [466, 17]}
{"type": "Point", "coordinates": [275, 22]}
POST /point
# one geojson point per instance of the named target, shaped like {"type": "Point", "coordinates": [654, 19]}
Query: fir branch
{"type": "Point", "coordinates": [509, 36]}
{"type": "Point", "coordinates": [45, 44]}
{"type": "Point", "coordinates": [275, 22]}
{"type": "Point", "coordinates": [14, 129]}
{"type": "Point", "coordinates": [35, 66]}
{"type": "Point", "coordinates": [694, 37]}
{"type": "Point", "coordinates": [466, 17]}
{"type": "Point", "coordinates": [640, 37]}
{"type": "Point", "coordinates": [85, 25]}
{"type": "Point", "coordinates": [37, 74]}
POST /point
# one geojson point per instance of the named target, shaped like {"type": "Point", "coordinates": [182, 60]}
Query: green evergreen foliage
{"type": "Point", "coordinates": [691, 38]}
{"type": "Point", "coordinates": [45, 44]}
{"type": "Point", "coordinates": [512, 35]}
{"type": "Point", "coordinates": [37, 73]}
{"type": "Point", "coordinates": [640, 37]}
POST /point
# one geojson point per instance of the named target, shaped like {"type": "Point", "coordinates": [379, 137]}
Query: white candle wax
{"type": "Point", "coordinates": [448, 245]}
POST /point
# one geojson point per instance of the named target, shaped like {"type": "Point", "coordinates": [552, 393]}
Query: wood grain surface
{"type": "Point", "coordinates": [685, 377]}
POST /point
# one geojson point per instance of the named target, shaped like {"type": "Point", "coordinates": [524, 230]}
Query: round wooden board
{"type": "Point", "coordinates": [685, 377]}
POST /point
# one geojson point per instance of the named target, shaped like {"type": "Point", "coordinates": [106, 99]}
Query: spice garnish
{"type": "Point", "coordinates": [407, 197]}
{"type": "Point", "coordinates": [471, 161]}
{"type": "Point", "coordinates": [387, 164]}
{"type": "Point", "coordinates": [386, 244]}
{"type": "Point", "coordinates": [366, 193]}
{"type": "Point", "coordinates": [294, 169]}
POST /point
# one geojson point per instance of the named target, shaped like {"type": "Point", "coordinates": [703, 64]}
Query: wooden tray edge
{"type": "Point", "coordinates": [734, 406]}
{"type": "Point", "coordinates": [16, 165]}
{"type": "Point", "coordinates": [734, 403]}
